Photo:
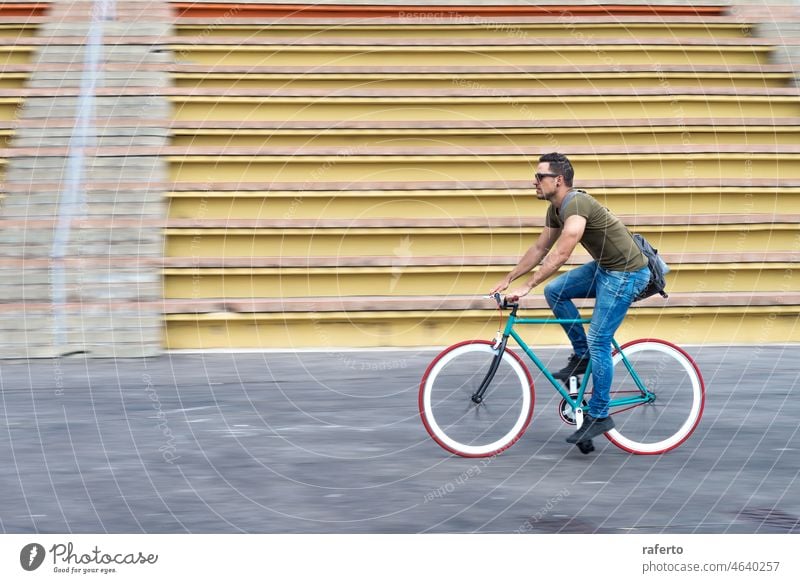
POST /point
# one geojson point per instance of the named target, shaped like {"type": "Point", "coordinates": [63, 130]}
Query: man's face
{"type": "Point", "coordinates": [546, 187]}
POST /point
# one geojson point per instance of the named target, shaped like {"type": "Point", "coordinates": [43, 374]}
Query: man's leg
{"type": "Point", "coordinates": [577, 283]}
{"type": "Point", "coordinates": [615, 293]}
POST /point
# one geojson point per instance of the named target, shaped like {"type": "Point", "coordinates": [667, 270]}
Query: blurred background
{"type": "Point", "coordinates": [190, 175]}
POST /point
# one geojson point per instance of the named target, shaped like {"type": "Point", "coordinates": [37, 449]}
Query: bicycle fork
{"type": "Point", "coordinates": [477, 396]}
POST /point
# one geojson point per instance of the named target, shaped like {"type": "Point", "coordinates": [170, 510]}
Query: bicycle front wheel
{"type": "Point", "coordinates": [462, 426]}
{"type": "Point", "coordinates": [675, 382]}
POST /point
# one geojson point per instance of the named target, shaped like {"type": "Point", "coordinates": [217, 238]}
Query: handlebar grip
{"type": "Point", "coordinates": [506, 302]}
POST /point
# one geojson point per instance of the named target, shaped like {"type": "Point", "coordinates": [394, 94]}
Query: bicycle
{"type": "Point", "coordinates": [476, 397]}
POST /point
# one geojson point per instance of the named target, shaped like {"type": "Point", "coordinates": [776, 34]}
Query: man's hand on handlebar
{"type": "Point", "coordinates": [503, 301]}
{"type": "Point", "coordinates": [511, 298]}
{"type": "Point", "coordinates": [501, 285]}
{"type": "Point", "coordinates": [521, 291]}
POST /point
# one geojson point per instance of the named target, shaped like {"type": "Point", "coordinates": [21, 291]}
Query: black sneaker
{"type": "Point", "coordinates": [576, 365]}
{"type": "Point", "coordinates": [591, 428]}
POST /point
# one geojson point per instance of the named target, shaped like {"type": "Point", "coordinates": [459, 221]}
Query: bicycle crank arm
{"type": "Point", "coordinates": [573, 390]}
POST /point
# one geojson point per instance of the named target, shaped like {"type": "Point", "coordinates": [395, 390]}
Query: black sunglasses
{"type": "Point", "coordinates": [540, 175]}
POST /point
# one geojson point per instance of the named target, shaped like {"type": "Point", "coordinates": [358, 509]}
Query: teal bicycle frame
{"type": "Point", "coordinates": [646, 396]}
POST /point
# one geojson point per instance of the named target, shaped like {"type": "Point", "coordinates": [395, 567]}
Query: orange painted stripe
{"type": "Point", "coordinates": [25, 9]}
{"type": "Point", "coordinates": [238, 10]}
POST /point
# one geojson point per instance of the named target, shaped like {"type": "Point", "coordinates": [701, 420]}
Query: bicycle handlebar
{"type": "Point", "coordinates": [505, 302]}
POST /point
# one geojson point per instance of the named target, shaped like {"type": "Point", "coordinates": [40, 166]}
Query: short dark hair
{"type": "Point", "coordinates": [559, 164]}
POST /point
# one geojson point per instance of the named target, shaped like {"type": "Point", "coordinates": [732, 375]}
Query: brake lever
{"type": "Point", "coordinates": [496, 297]}
{"type": "Point", "coordinates": [505, 303]}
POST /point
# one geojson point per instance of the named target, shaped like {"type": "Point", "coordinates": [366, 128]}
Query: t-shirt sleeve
{"type": "Point", "coordinates": [577, 206]}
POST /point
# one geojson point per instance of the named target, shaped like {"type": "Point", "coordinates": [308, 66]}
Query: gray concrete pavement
{"type": "Point", "coordinates": [332, 442]}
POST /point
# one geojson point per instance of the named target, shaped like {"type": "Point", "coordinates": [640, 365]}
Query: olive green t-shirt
{"type": "Point", "coordinates": [606, 239]}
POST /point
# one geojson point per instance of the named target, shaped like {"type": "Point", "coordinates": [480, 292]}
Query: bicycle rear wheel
{"type": "Point", "coordinates": [673, 377]}
{"type": "Point", "coordinates": [458, 424]}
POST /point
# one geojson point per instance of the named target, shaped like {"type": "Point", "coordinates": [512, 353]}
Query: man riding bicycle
{"type": "Point", "coordinates": [616, 275]}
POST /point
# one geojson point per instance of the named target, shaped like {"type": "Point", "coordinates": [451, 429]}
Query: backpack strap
{"type": "Point", "coordinates": [570, 195]}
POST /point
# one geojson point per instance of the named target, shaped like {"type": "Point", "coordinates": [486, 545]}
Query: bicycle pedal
{"type": "Point", "coordinates": [586, 447]}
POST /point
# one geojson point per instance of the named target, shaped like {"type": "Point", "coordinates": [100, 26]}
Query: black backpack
{"type": "Point", "coordinates": [658, 267]}
{"type": "Point", "coordinates": [658, 270]}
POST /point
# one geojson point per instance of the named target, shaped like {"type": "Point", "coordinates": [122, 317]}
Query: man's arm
{"type": "Point", "coordinates": [531, 259]}
{"type": "Point", "coordinates": [570, 237]}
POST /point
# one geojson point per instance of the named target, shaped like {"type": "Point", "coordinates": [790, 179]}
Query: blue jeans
{"type": "Point", "coordinates": [613, 292]}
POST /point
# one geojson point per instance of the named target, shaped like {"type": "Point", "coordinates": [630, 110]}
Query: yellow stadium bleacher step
{"type": "Point", "coordinates": [455, 241]}
{"type": "Point", "coordinates": [13, 79]}
{"type": "Point", "coordinates": [764, 325]}
{"type": "Point", "coordinates": [466, 105]}
{"type": "Point", "coordinates": [478, 202]}
{"type": "Point", "coordinates": [6, 133]}
{"type": "Point", "coordinates": [9, 107]}
{"type": "Point", "coordinates": [599, 28]}
{"type": "Point", "coordinates": [629, 133]}
{"type": "Point", "coordinates": [537, 78]}
{"type": "Point", "coordinates": [419, 280]}
{"type": "Point", "coordinates": [435, 52]}
{"type": "Point", "coordinates": [441, 320]}
{"type": "Point", "coordinates": [20, 29]}
{"type": "Point", "coordinates": [16, 54]}
{"type": "Point", "coordinates": [373, 164]}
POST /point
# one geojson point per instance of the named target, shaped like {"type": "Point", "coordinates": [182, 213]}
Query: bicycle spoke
{"type": "Point", "coordinates": [469, 428]}
{"type": "Point", "coordinates": [628, 408]}
{"type": "Point", "coordinates": [673, 381]}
